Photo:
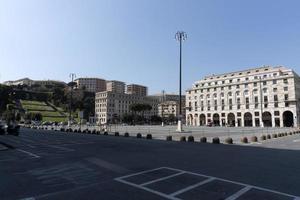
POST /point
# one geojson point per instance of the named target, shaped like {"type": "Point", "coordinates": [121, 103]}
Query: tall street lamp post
{"type": "Point", "coordinates": [180, 36]}
{"type": "Point", "coordinates": [72, 76]}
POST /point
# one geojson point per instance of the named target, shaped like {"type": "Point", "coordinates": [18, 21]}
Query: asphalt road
{"type": "Point", "coordinates": [55, 165]}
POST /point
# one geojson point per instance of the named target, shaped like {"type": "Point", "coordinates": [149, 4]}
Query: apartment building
{"type": "Point", "coordinates": [112, 105]}
{"type": "Point", "coordinates": [266, 96]}
{"type": "Point", "coordinates": [91, 84]}
{"type": "Point", "coordinates": [137, 89]}
{"type": "Point", "coordinates": [115, 86]}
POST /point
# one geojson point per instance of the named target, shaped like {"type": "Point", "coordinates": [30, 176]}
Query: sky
{"type": "Point", "coordinates": [133, 40]}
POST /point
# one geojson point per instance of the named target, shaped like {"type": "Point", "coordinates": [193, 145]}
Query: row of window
{"type": "Point", "coordinates": [246, 85]}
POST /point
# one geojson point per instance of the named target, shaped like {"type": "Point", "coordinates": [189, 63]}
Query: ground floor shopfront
{"type": "Point", "coordinates": [268, 118]}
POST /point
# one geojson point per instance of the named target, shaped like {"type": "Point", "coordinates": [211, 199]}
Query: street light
{"type": "Point", "coordinates": [72, 76]}
{"type": "Point", "coordinates": [180, 36]}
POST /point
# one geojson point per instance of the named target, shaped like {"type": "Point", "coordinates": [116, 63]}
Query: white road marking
{"type": "Point", "coordinates": [107, 165]}
{"type": "Point", "coordinates": [29, 153]}
{"type": "Point", "coordinates": [239, 193]}
{"type": "Point", "coordinates": [148, 189]}
{"type": "Point", "coordinates": [61, 148]}
{"type": "Point", "coordinates": [210, 178]}
{"type": "Point", "coordinates": [163, 178]}
{"type": "Point", "coordinates": [192, 187]}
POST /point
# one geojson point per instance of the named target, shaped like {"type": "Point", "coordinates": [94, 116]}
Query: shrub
{"type": "Point", "coordinates": [126, 134]}
{"type": "Point", "coordinates": [244, 140]}
{"type": "Point", "coordinates": [285, 134]}
{"type": "Point", "coordinates": [229, 140]}
{"type": "Point", "coordinates": [216, 140]}
{"type": "Point", "coordinates": [290, 133]}
{"type": "Point", "coordinates": [139, 135]}
{"type": "Point", "coordinates": [279, 134]}
{"type": "Point", "coordinates": [169, 138]}
{"type": "Point", "coordinates": [274, 135]}
{"type": "Point", "coordinates": [75, 131]}
{"type": "Point", "coordinates": [203, 139]}
{"type": "Point", "coordinates": [79, 130]}
{"type": "Point", "coordinates": [148, 136]}
{"type": "Point", "coordinates": [268, 136]}
{"type": "Point", "coordinates": [94, 131]}
{"type": "Point", "coordinates": [253, 139]}
{"type": "Point", "coordinates": [191, 138]}
{"type": "Point", "coordinates": [89, 131]}
{"type": "Point", "coordinates": [117, 133]}
{"type": "Point", "coordinates": [98, 132]}
{"type": "Point", "coordinates": [182, 139]}
{"type": "Point", "coordinates": [263, 137]}
{"type": "Point", "coordinates": [105, 133]}
{"type": "Point", "coordinates": [62, 130]}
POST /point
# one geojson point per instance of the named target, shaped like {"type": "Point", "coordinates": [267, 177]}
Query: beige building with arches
{"type": "Point", "coordinates": [259, 97]}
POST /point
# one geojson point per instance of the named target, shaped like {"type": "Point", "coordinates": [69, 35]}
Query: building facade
{"type": "Point", "coordinates": [29, 82]}
{"type": "Point", "coordinates": [112, 106]}
{"type": "Point", "coordinates": [137, 90]}
{"type": "Point", "coordinates": [168, 108]}
{"type": "Point", "coordinates": [265, 96]}
{"type": "Point", "coordinates": [115, 86]}
{"type": "Point", "coordinates": [91, 84]}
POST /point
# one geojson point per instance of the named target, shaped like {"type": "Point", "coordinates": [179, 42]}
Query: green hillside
{"type": "Point", "coordinates": [48, 111]}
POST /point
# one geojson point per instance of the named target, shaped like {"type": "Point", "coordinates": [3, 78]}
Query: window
{"type": "Point", "coordinates": [238, 93]}
{"type": "Point", "coordinates": [265, 98]}
{"type": "Point", "coordinates": [222, 94]}
{"type": "Point", "coordinates": [222, 88]}
{"type": "Point", "coordinates": [207, 89]}
{"type": "Point", "coordinates": [208, 84]}
{"type": "Point", "coordinates": [239, 114]}
{"type": "Point", "coordinates": [256, 114]}
{"type": "Point", "coordinates": [223, 82]}
{"type": "Point", "coordinates": [238, 80]}
{"type": "Point", "coordinates": [276, 104]}
{"type": "Point", "coordinates": [230, 94]}
{"type": "Point", "coordinates": [255, 91]}
{"type": "Point", "coordinates": [215, 89]}
{"type": "Point", "coordinates": [223, 114]}
{"type": "Point", "coordinates": [286, 97]}
{"type": "Point", "coordinates": [229, 87]}
{"type": "Point", "coordinates": [287, 104]}
{"type": "Point", "coordinates": [237, 86]}
{"type": "Point", "coordinates": [265, 90]}
{"type": "Point", "coordinates": [246, 85]}
{"type": "Point", "coordinates": [274, 81]}
{"type": "Point", "coordinates": [264, 82]}
{"type": "Point", "coordinates": [230, 81]}
{"type": "Point", "coordinates": [201, 90]}
{"type": "Point", "coordinates": [275, 98]}
{"type": "Point", "coordinates": [216, 83]}
{"type": "Point", "coordinates": [246, 79]}
{"type": "Point", "coordinates": [274, 89]}
{"type": "Point", "coordinates": [246, 92]}
{"type": "Point", "coordinates": [255, 84]}
{"type": "Point", "coordinates": [285, 81]}
{"type": "Point", "coordinates": [276, 113]}
{"type": "Point", "coordinates": [215, 95]}
{"type": "Point", "coordinates": [285, 88]}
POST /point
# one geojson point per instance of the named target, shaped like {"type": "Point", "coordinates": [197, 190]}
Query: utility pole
{"type": "Point", "coordinates": [72, 76]}
{"type": "Point", "coordinates": [162, 108]}
{"type": "Point", "coordinates": [180, 36]}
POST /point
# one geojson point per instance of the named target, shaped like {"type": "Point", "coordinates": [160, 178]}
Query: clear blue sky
{"type": "Point", "coordinates": [133, 40]}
